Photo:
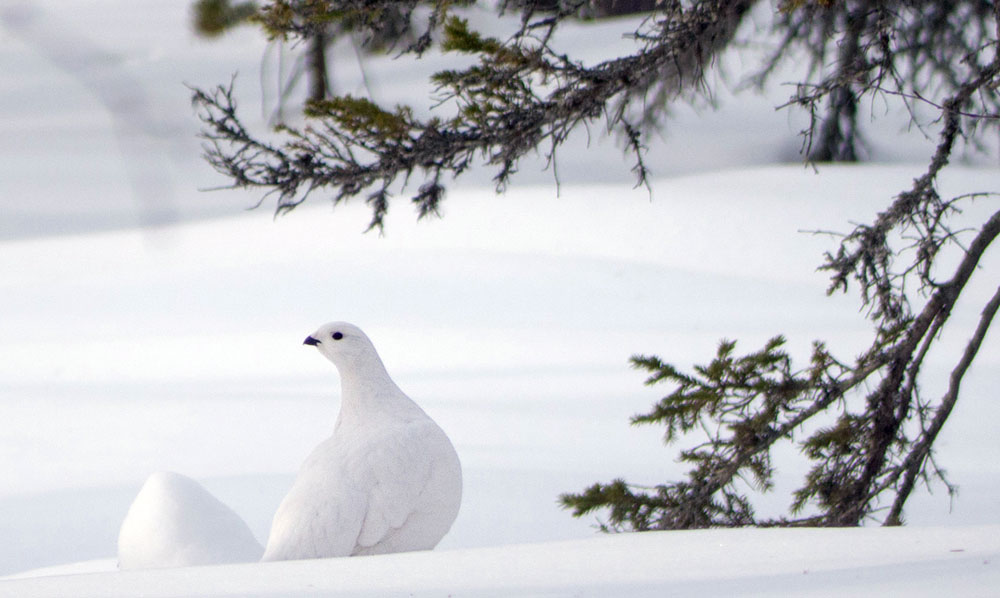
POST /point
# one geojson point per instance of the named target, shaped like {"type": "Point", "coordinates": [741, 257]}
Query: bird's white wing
{"type": "Point", "coordinates": [322, 514]}
{"type": "Point", "coordinates": [400, 469]}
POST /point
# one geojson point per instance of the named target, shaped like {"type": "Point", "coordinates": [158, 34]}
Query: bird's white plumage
{"type": "Point", "coordinates": [388, 480]}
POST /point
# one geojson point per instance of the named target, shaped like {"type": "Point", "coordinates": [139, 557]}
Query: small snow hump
{"type": "Point", "coordinates": [387, 480]}
{"type": "Point", "coordinates": [175, 522]}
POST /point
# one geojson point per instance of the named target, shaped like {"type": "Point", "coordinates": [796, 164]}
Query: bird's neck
{"type": "Point", "coordinates": [368, 390]}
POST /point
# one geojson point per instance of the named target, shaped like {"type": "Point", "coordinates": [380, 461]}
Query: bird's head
{"type": "Point", "coordinates": [344, 344]}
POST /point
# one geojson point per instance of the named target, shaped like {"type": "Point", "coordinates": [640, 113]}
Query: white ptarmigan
{"type": "Point", "coordinates": [388, 480]}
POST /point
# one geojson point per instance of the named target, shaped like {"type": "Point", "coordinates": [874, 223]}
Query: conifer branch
{"type": "Point", "coordinates": [867, 452]}
{"type": "Point", "coordinates": [520, 95]}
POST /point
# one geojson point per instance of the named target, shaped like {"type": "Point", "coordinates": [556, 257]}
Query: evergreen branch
{"type": "Point", "coordinates": [865, 254]}
{"type": "Point", "coordinates": [914, 463]}
{"type": "Point", "coordinates": [502, 114]}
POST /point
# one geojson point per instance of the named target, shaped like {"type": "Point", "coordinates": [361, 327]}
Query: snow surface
{"type": "Point", "coordinates": [148, 326]}
{"type": "Point", "coordinates": [746, 562]}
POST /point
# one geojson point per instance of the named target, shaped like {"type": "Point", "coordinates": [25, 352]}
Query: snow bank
{"type": "Point", "coordinates": [761, 562]}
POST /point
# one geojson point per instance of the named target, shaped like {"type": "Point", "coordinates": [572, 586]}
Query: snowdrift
{"type": "Point", "coordinates": [880, 562]}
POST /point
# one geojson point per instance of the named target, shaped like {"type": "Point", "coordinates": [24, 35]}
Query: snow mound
{"type": "Point", "coordinates": [175, 522]}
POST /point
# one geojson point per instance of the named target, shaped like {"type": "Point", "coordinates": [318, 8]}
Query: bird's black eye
{"type": "Point", "coordinates": [337, 336]}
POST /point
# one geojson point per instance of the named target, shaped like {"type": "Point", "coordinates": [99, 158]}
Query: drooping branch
{"type": "Point", "coordinates": [746, 405]}
{"type": "Point", "coordinates": [521, 94]}
{"type": "Point", "coordinates": [914, 465]}
{"type": "Point", "coordinates": [866, 255]}
{"type": "Point", "coordinates": [868, 453]}
{"type": "Point", "coordinates": [892, 401]}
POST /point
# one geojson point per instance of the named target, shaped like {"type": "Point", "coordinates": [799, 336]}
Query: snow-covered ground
{"type": "Point", "coordinates": [128, 349]}
{"type": "Point", "coordinates": [771, 562]}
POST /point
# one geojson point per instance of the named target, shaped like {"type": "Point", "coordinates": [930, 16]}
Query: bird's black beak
{"type": "Point", "coordinates": [310, 341]}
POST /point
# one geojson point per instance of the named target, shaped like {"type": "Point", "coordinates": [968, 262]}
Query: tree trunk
{"type": "Point", "coordinates": [319, 84]}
